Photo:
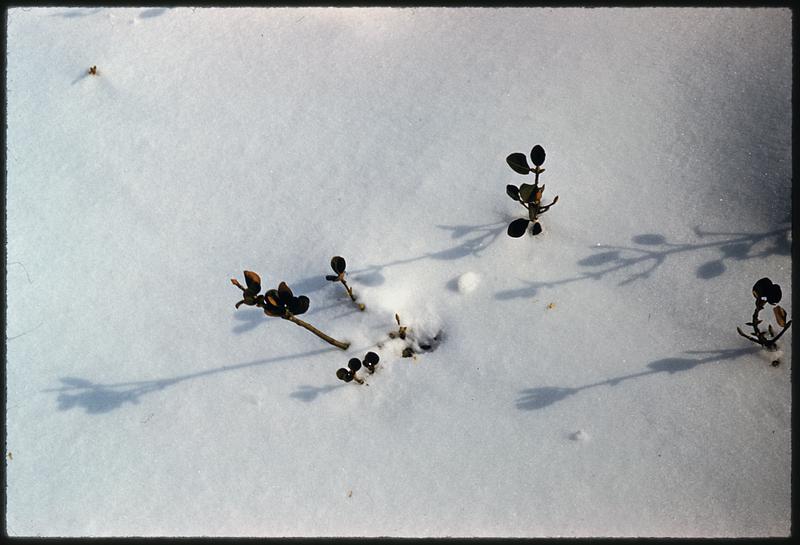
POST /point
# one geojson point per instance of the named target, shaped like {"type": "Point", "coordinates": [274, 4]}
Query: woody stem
{"type": "Point", "coordinates": [315, 331]}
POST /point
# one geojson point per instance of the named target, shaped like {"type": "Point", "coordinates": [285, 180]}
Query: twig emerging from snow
{"type": "Point", "coordinates": [280, 303]}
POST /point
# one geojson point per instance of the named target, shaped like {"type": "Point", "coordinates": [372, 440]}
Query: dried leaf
{"type": "Point", "coordinates": [536, 229]}
{"type": "Point", "coordinates": [253, 282]}
{"type": "Point", "coordinates": [285, 294]}
{"type": "Point", "coordinates": [780, 315]}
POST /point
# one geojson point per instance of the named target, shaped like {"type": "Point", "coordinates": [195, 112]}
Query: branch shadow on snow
{"type": "Point", "coordinates": [474, 240]}
{"type": "Point", "coordinates": [96, 398]}
{"type": "Point", "coordinates": [539, 398]}
{"type": "Point", "coordinates": [652, 250]}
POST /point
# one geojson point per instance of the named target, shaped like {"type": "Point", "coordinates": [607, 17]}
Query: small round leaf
{"type": "Point", "coordinates": [517, 227]}
{"type": "Point", "coordinates": [537, 155]}
{"type": "Point", "coordinates": [344, 374]}
{"type": "Point", "coordinates": [338, 264]}
{"type": "Point", "coordinates": [762, 287]}
{"type": "Point", "coordinates": [298, 305]}
{"type": "Point", "coordinates": [519, 163]}
{"type": "Point", "coordinates": [774, 294]}
{"type": "Point", "coordinates": [513, 192]}
{"type": "Point", "coordinates": [536, 229]}
{"type": "Point", "coordinates": [371, 358]}
{"type": "Point", "coordinates": [331, 277]}
{"type": "Point", "coordinates": [354, 364]}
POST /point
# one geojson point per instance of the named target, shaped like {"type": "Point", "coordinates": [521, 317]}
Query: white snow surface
{"type": "Point", "coordinates": [217, 140]}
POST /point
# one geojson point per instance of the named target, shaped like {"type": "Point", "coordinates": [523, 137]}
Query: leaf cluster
{"type": "Point", "coordinates": [354, 365]}
{"type": "Point", "coordinates": [275, 302]}
{"type": "Point", "coordinates": [528, 195]}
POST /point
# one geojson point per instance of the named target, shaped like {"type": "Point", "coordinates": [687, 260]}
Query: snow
{"type": "Point", "coordinates": [588, 381]}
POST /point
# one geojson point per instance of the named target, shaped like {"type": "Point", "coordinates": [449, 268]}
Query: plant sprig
{"type": "Point", "coordinates": [765, 292]}
{"type": "Point", "coordinates": [338, 264]}
{"type": "Point", "coordinates": [280, 303]}
{"type": "Point", "coordinates": [528, 195]}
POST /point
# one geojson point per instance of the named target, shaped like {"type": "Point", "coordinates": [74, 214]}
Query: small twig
{"type": "Point", "coordinates": [350, 292]}
{"type": "Point", "coordinates": [338, 344]}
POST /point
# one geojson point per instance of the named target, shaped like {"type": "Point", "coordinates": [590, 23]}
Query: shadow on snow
{"type": "Point", "coordinates": [653, 249]}
{"type": "Point", "coordinates": [539, 398]}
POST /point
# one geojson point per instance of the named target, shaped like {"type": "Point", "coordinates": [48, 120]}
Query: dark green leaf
{"type": "Point", "coordinates": [338, 264]}
{"type": "Point", "coordinates": [537, 155]}
{"type": "Point", "coordinates": [519, 163]}
{"type": "Point", "coordinates": [527, 192]}
{"type": "Point", "coordinates": [513, 192]}
{"type": "Point", "coordinates": [517, 227]}
{"type": "Point", "coordinates": [536, 229]}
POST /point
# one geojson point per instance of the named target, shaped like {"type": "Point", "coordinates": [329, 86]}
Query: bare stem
{"type": "Point", "coordinates": [350, 293]}
{"type": "Point", "coordinates": [315, 331]}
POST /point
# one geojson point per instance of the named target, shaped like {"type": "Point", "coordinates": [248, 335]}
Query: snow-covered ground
{"type": "Point", "coordinates": [588, 381]}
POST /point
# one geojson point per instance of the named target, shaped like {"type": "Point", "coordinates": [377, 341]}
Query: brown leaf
{"type": "Point", "coordinates": [780, 315]}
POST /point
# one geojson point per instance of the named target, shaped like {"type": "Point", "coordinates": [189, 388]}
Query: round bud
{"type": "Point", "coordinates": [354, 364]}
{"type": "Point", "coordinates": [371, 358]}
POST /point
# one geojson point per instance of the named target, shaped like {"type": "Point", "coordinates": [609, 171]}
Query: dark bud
{"type": "Point", "coordinates": [408, 352]}
{"type": "Point", "coordinates": [285, 295]}
{"type": "Point", "coordinates": [762, 287]}
{"type": "Point", "coordinates": [354, 364]}
{"type": "Point", "coordinates": [519, 163]}
{"type": "Point", "coordinates": [536, 229]}
{"type": "Point", "coordinates": [331, 277]}
{"type": "Point", "coordinates": [517, 227]}
{"type": "Point", "coordinates": [537, 155]}
{"type": "Point", "coordinates": [338, 264]}
{"type": "Point", "coordinates": [298, 305]}
{"type": "Point", "coordinates": [513, 192]}
{"type": "Point", "coordinates": [344, 374]}
{"type": "Point", "coordinates": [371, 358]}
{"type": "Point", "coordinates": [253, 282]}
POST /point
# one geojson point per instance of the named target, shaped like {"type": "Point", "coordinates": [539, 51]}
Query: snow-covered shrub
{"type": "Point", "coordinates": [281, 303]}
{"type": "Point", "coordinates": [528, 195]}
{"type": "Point", "coordinates": [338, 265]}
{"type": "Point", "coordinates": [766, 292]}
